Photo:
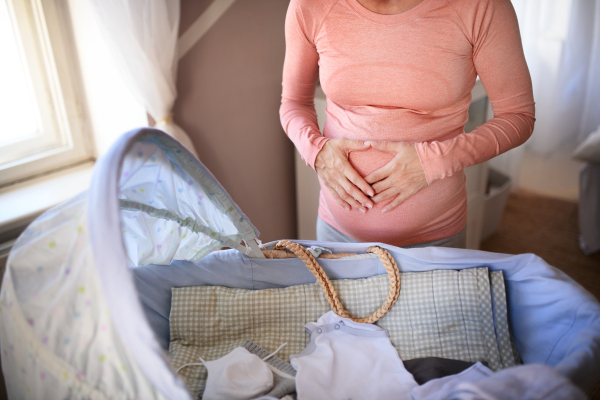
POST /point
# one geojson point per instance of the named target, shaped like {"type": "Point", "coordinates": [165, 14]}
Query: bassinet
{"type": "Point", "coordinates": [77, 323]}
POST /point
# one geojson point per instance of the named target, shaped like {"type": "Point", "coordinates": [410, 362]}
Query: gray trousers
{"type": "Point", "coordinates": [327, 233]}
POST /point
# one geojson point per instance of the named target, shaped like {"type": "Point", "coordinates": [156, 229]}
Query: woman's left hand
{"type": "Point", "coordinates": [399, 179]}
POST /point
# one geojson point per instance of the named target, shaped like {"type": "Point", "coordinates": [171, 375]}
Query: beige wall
{"type": "Point", "coordinates": [229, 91]}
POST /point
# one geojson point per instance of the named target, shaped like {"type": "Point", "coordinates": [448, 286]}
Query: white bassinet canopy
{"type": "Point", "coordinates": [86, 296]}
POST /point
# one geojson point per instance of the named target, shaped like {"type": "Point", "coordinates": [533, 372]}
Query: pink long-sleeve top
{"type": "Point", "coordinates": [408, 78]}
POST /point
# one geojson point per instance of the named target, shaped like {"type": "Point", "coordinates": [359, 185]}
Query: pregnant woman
{"type": "Point", "coordinates": [398, 76]}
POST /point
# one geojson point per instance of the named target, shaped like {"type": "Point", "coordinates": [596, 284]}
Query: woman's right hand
{"type": "Point", "coordinates": [347, 187]}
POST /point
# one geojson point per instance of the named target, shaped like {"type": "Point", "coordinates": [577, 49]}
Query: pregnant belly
{"type": "Point", "coordinates": [436, 212]}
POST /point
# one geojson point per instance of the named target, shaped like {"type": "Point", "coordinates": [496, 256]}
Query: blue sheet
{"type": "Point", "coordinates": [554, 320]}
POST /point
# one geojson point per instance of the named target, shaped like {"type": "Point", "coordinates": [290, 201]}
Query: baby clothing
{"type": "Point", "coordinates": [345, 359]}
{"type": "Point", "coordinates": [532, 381]}
{"type": "Point", "coordinates": [283, 374]}
{"type": "Point", "coordinates": [240, 375]}
{"type": "Point", "coordinates": [349, 360]}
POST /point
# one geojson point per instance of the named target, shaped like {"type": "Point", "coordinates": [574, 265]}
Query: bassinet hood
{"type": "Point", "coordinates": [151, 201]}
{"type": "Point", "coordinates": [72, 323]}
{"type": "Point", "coordinates": [171, 207]}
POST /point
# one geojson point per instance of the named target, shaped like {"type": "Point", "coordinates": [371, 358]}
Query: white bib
{"type": "Point", "coordinates": [240, 375]}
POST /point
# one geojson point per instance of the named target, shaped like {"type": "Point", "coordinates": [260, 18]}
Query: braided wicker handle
{"type": "Point", "coordinates": [330, 294]}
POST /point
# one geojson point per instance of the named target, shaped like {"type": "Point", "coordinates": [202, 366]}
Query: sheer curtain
{"type": "Point", "coordinates": [561, 40]}
{"type": "Point", "coordinates": [142, 36]}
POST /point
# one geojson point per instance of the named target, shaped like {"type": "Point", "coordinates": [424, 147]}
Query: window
{"type": "Point", "coordinates": [41, 113]}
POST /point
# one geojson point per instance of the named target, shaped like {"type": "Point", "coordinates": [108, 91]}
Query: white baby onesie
{"type": "Point", "coordinates": [349, 360]}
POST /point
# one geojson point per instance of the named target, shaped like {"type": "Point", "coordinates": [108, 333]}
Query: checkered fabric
{"type": "Point", "coordinates": [487, 320]}
{"type": "Point", "coordinates": [508, 351]}
{"type": "Point", "coordinates": [438, 314]}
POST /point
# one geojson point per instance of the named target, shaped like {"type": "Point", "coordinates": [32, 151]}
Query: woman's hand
{"type": "Point", "coordinates": [399, 179]}
{"type": "Point", "coordinates": [347, 187]}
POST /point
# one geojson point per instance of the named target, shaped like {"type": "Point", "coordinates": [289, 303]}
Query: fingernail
{"type": "Point", "coordinates": [347, 208]}
{"type": "Point", "coordinates": [370, 193]}
{"type": "Point", "coordinates": [369, 205]}
{"type": "Point", "coordinates": [362, 210]}
{"type": "Point", "coordinates": [384, 210]}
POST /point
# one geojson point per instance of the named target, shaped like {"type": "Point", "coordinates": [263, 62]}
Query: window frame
{"type": "Point", "coordinates": [45, 28]}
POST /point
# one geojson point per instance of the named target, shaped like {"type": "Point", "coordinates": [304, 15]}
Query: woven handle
{"type": "Point", "coordinates": [330, 294]}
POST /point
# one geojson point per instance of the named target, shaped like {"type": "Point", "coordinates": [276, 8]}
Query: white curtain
{"type": "Point", "coordinates": [142, 36]}
{"type": "Point", "coordinates": [561, 40]}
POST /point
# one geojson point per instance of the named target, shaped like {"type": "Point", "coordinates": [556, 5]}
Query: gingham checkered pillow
{"type": "Point", "coordinates": [438, 314]}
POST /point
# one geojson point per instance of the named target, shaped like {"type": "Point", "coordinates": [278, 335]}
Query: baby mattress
{"type": "Point", "coordinates": [442, 313]}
